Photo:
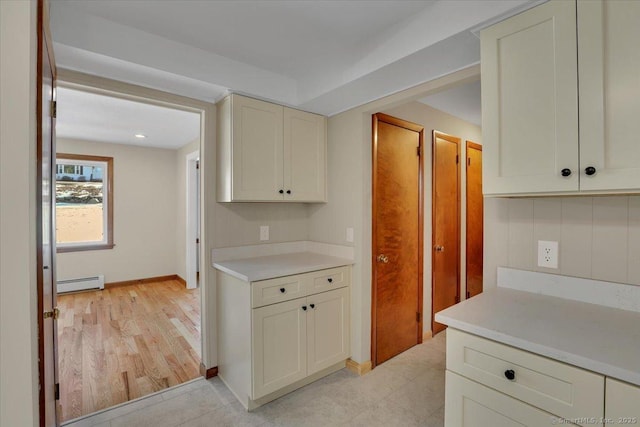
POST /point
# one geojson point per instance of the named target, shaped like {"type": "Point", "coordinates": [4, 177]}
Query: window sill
{"type": "Point", "coordinates": [62, 249]}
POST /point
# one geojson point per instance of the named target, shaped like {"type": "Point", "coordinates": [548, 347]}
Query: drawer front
{"type": "Point", "coordinates": [469, 404]}
{"type": "Point", "coordinates": [276, 290]}
{"type": "Point", "coordinates": [325, 280]}
{"type": "Point", "coordinates": [623, 402]}
{"type": "Point", "coordinates": [555, 387]}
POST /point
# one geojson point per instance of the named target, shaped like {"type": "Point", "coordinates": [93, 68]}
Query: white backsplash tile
{"type": "Point", "coordinates": [547, 220]}
{"type": "Point", "coordinates": [520, 250]}
{"type": "Point", "coordinates": [610, 246]}
{"type": "Point", "coordinates": [576, 236]}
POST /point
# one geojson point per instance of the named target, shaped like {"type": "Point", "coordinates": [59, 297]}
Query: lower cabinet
{"type": "Point", "coordinates": [622, 404]}
{"type": "Point", "coordinates": [282, 343]}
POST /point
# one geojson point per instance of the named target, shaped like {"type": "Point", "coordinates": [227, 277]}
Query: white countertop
{"type": "Point", "coordinates": [601, 339]}
{"type": "Point", "coordinates": [272, 266]}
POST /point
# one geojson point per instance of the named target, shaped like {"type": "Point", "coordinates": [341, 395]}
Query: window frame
{"type": "Point", "coordinates": [107, 194]}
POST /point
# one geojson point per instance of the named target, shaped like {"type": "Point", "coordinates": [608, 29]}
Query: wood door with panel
{"type": "Point", "coordinates": [474, 220]}
{"type": "Point", "coordinates": [327, 329]}
{"type": "Point", "coordinates": [609, 66]}
{"type": "Point", "coordinates": [257, 150]}
{"type": "Point", "coordinates": [45, 220]}
{"type": "Point", "coordinates": [530, 101]}
{"type": "Point", "coordinates": [279, 343]}
{"type": "Point", "coordinates": [397, 237]}
{"type": "Point", "coordinates": [445, 224]}
{"type": "Point", "coordinates": [304, 156]}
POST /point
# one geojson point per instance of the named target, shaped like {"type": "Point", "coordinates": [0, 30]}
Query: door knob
{"type": "Point", "coordinates": [439, 248]}
{"type": "Point", "coordinates": [383, 258]}
{"type": "Point", "coordinates": [54, 314]}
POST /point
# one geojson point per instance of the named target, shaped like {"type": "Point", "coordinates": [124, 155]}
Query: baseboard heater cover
{"type": "Point", "coordinates": [81, 284]}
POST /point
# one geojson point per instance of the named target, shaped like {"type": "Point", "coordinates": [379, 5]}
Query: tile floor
{"type": "Point", "coordinates": [405, 391]}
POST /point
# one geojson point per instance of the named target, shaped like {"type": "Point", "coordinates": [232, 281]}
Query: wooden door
{"type": "Point", "coordinates": [397, 237]}
{"type": "Point", "coordinates": [305, 152]}
{"type": "Point", "coordinates": [530, 101]}
{"type": "Point", "coordinates": [474, 219]}
{"type": "Point", "coordinates": [45, 201]}
{"type": "Point", "coordinates": [327, 329]}
{"type": "Point", "coordinates": [279, 343]}
{"type": "Point", "coordinates": [609, 65]}
{"type": "Point", "coordinates": [445, 224]}
{"type": "Point", "coordinates": [257, 150]}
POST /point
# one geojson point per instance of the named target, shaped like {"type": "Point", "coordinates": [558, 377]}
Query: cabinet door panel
{"type": "Point", "coordinates": [530, 101]}
{"type": "Point", "coordinates": [304, 156]}
{"type": "Point", "coordinates": [327, 329]}
{"type": "Point", "coordinates": [622, 402]}
{"type": "Point", "coordinates": [279, 335]}
{"type": "Point", "coordinates": [609, 61]}
{"type": "Point", "coordinates": [469, 404]}
{"type": "Point", "coordinates": [257, 150]}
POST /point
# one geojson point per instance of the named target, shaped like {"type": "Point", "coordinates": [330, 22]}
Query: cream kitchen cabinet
{"type": "Point", "coordinates": [277, 335]}
{"type": "Point", "coordinates": [267, 152]}
{"type": "Point", "coordinates": [493, 381]}
{"type": "Point", "coordinates": [622, 404]}
{"type": "Point", "coordinates": [534, 142]}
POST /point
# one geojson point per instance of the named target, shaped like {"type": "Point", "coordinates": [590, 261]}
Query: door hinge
{"type": "Point", "coordinates": [457, 299]}
{"type": "Point", "coordinates": [56, 391]}
{"type": "Point", "coordinates": [468, 294]}
{"type": "Point", "coordinates": [197, 165]}
{"type": "Point", "coordinates": [469, 161]}
{"type": "Point", "coordinates": [197, 240]}
{"type": "Point", "coordinates": [418, 150]}
{"type": "Point", "coordinates": [418, 316]}
{"type": "Point", "coordinates": [54, 109]}
{"type": "Point", "coordinates": [457, 159]}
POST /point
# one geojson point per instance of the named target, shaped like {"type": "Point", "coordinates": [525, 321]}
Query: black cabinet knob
{"type": "Point", "coordinates": [329, 280]}
{"type": "Point", "coordinates": [510, 374]}
{"type": "Point", "coordinates": [281, 191]}
{"type": "Point", "coordinates": [312, 305]}
{"type": "Point", "coordinates": [565, 172]}
{"type": "Point", "coordinates": [304, 307]}
{"type": "Point", "coordinates": [288, 191]}
{"type": "Point", "coordinates": [283, 290]}
{"type": "Point", "coordinates": [590, 170]}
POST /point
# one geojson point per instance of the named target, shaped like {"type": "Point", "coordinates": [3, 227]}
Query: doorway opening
{"type": "Point", "coordinates": [127, 207]}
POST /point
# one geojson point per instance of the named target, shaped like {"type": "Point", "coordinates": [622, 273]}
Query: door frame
{"type": "Point", "coordinates": [193, 202]}
{"type": "Point", "coordinates": [474, 146]}
{"type": "Point", "coordinates": [457, 141]}
{"type": "Point", "coordinates": [381, 117]}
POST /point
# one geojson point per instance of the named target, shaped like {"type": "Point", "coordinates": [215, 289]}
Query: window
{"type": "Point", "coordinates": [84, 202]}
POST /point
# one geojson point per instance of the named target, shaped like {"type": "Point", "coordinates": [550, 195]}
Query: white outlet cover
{"type": "Point", "coordinates": [264, 232]}
{"type": "Point", "coordinates": [547, 254]}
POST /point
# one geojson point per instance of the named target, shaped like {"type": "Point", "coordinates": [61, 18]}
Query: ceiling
{"type": "Point", "coordinates": [461, 101]}
{"type": "Point", "coordinates": [320, 56]}
{"type": "Point", "coordinates": [95, 117]}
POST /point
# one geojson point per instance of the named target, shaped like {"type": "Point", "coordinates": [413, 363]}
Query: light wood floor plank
{"type": "Point", "coordinates": [122, 343]}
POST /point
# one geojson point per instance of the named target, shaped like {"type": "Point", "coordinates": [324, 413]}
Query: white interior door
{"type": "Point", "coordinates": [193, 219]}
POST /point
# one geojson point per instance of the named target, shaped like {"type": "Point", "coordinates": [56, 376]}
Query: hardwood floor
{"type": "Point", "coordinates": [125, 342]}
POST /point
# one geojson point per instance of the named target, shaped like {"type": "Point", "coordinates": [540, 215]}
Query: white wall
{"type": "Point", "coordinates": [349, 181]}
{"type": "Point", "coordinates": [144, 216]}
{"type": "Point", "coordinates": [599, 237]}
{"type": "Point", "coordinates": [18, 286]}
{"type": "Point", "coordinates": [433, 119]}
{"type": "Point", "coordinates": [181, 205]}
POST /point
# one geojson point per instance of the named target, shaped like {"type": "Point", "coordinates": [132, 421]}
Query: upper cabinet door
{"type": "Point", "coordinates": [609, 66]}
{"type": "Point", "coordinates": [305, 152]}
{"type": "Point", "coordinates": [530, 101]}
{"type": "Point", "coordinates": [256, 150]}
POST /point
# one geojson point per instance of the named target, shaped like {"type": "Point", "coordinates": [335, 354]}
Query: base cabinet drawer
{"type": "Point", "coordinates": [469, 404]}
{"type": "Point", "coordinates": [560, 389]}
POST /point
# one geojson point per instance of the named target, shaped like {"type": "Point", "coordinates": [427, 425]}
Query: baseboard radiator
{"type": "Point", "coordinates": [81, 284]}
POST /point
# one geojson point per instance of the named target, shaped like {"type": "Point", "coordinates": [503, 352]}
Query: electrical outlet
{"type": "Point", "coordinates": [547, 254]}
{"type": "Point", "coordinates": [264, 232]}
{"type": "Point", "coordinates": [349, 236]}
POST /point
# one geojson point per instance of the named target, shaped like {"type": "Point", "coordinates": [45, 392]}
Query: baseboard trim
{"type": "Point", "coordinates": [208, 373]}
{"type": "Point", "coordinates": [145, 280]}
{"type": "Point", "coordinates": [181, 280]}
{"type": "Point", "coordinates": [358, 368]}
{"type": "Point", "coordinates": [427, 336]}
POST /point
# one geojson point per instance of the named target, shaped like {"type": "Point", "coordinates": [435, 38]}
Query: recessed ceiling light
{"type": "Point", "coordinates": [139, 135]}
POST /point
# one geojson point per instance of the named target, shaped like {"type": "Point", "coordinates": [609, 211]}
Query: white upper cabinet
{"type": "Point", "coordinates": [609, 70]}
{"type": "Point", "coordinates": [268, 153]}
{"type": "Point", "coordinates": [530, 101]}
{"type": "Point", "coordinates": [533, 140]}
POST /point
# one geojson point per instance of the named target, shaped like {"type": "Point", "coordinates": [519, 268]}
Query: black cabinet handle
{"type": "Point", "coordinates": [590, 170]}
{"type": "Point", "coordinates": [304, 307]}
{"type": "Point", "coordinates": [329, 280]}
{"type": "Point", "coordinates": [288, 191]}
{"type": "Point", "coordinates": [312, 305]}
{"type": "Point", "coordinates": [565, 172]}
{"type": "Point", "coordinates": [283, 290]}
{"type": "Point", "coordinates": [510, 374]}
{"type": "Point", "coordinates": [281, 191]}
